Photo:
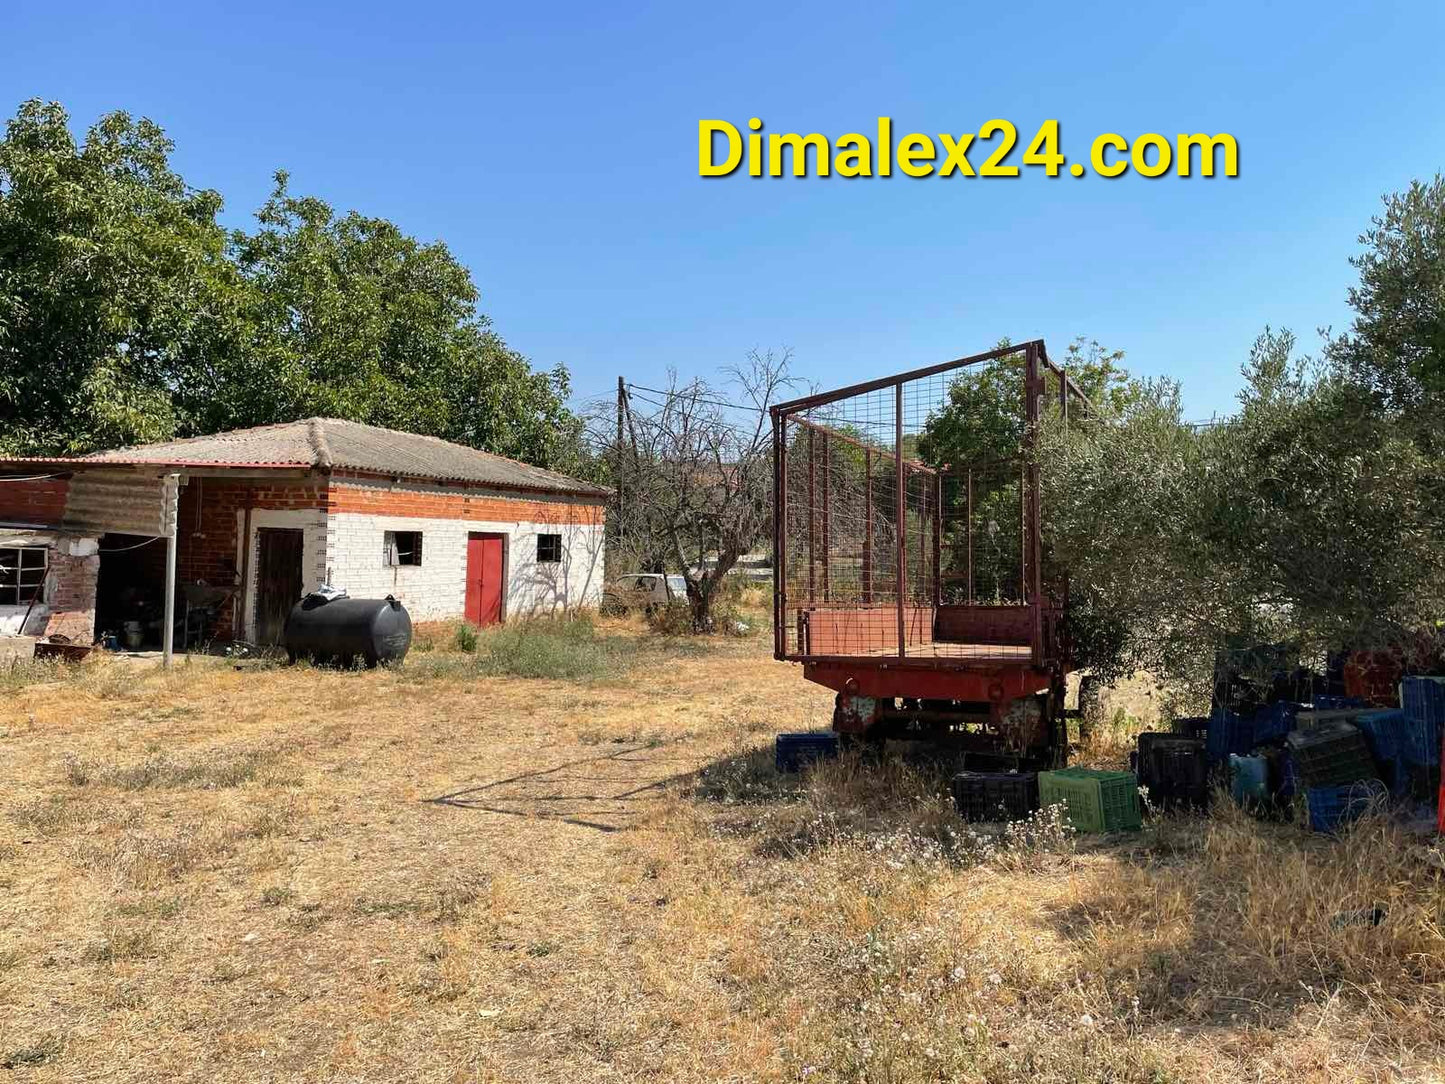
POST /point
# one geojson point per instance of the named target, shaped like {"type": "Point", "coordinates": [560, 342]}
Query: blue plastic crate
{"type": "Point", "coordinates": [1331, 808]}
{"type": "Point", "coordinates": [1228, 733]}
{"type": "Point", "coordinates": [1333, 702]}
{"type": "Point", "coordinates": [1424, 703]}
{"type": "Point", "coordinates": [1384, 732]}
{"type": "Point", "coordinates": [1274, 721]}
{"type": "Point", "coordinates": [791, 752]}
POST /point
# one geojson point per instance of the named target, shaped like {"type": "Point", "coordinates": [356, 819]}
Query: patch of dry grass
{"type": "Point", "coordinates": [296, 874]}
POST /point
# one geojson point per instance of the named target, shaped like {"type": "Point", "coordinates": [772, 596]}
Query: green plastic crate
{"type": "Point", "coordinates": [1094, 801]}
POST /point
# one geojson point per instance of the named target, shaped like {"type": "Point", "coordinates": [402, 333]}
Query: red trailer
{"type": "Point", "coordinates": [920, 591]}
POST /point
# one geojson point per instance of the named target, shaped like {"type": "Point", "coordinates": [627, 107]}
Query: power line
{"type": "Point", "coordinates": [695, 398]}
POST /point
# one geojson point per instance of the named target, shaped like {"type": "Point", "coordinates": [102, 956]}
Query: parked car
{"type": "Point", "coordinates": [642, 591]}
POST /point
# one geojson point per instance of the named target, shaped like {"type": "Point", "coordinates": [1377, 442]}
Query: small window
{"type": "Point", "coordinates": [403, 548]}
{"type": "Point", "coordinates": [22, 574]}
{"type": "Point", "coordinates": [549, 548]}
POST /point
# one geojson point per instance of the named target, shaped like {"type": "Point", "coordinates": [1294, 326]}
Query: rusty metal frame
{"type": "Point", "coordinates": [1036, 360]}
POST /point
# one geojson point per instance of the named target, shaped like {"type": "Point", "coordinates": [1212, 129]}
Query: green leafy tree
{"type": "Point", "coordinates": [128, 315]}
{"type": "Point", "coordinates": [114, 284]}
{"type": "Point", "coordinates": [982, 421]}
{"type": "Point", "coordinates": [349, 317]}
{"type": "Point", "coordinates": [1300, 519]}
{"type": "Point", "coordinates": [1396, 343]}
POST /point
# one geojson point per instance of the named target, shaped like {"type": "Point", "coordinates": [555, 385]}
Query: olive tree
{"type": "Point", "coordinates": [693, 476]}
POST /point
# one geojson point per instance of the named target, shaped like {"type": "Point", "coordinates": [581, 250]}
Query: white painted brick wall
{"type": "Point", "coordinates": [437, 587]}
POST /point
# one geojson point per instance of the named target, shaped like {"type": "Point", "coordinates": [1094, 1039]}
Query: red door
{"type": "Point", "coordinates": [484, 578]}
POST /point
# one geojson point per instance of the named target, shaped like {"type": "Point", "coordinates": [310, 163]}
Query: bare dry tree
{"type": "Point", "coordinates": [693, 473]}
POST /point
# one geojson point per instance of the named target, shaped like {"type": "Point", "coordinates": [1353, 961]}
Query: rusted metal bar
{"type": "Point", "coordinates": [809, 401]}
{"type": "Point", "coordinates": [1031, 470]}
{"type": "Point", "coordinates": [968, 532]}
{"type": "Point", "coordinates": [827, 508]}
{"type": "Point", "coordinates": [901, 530]}
{"type": "Point", "coordinates": [780, 534]}
{"type": "Point", "coordinates": [938, 541]}
{"type": "Point", "coordinates": [923, 542]}
{"type": "Point", "coordinates": [812, 515]}
{"type": "Point", "coordinates": [868, 525]}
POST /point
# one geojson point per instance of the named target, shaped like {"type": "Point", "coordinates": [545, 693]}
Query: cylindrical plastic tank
{"type": "Point", "coordinates": [343, 630]}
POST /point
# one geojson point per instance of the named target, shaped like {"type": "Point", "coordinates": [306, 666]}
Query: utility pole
{"type": "Point", "coordinates": [617, 448]}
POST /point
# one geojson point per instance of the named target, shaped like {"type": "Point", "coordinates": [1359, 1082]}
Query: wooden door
{"type": "Point", "coordinates": [278, 580]}
{"type": "Point", "coordinates": [485, 569]}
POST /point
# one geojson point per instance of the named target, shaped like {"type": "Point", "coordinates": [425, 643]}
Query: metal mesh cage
{"type": "Point", "coordinates": [888, 546]}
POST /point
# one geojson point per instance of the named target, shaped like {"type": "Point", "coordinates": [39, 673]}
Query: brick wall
{"type": "Point", "coordinates": [434, 503]}
{"type": "Point", "coordinates": [74, 567]}
{"type": "Point", "coordinates": [33, 502]}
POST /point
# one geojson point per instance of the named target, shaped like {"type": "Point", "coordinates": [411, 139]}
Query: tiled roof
{"type": "Point", "coordinates": [334, 444]}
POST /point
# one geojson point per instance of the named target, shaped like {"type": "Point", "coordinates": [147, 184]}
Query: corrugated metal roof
{"type": "Point", "coordinates": [335, 444]}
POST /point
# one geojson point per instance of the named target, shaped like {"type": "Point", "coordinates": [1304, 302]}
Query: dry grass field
{"type": "Point", "coordinates": [453, 873]}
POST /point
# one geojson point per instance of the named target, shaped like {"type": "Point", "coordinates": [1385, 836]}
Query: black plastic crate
{"type": "Point", "coordinates": [791, 752]}
{"type": "Point", "coordinates": [1174, 770]}
{"type": "Point", "coordinates": [995, 796]}
{"type": "Point", "coordinates": [1331, 754]}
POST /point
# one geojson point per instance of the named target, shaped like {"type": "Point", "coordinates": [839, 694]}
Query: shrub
{"type": "Point", "coordinates": [466, 638]}
{"type": "Point", "coordinates": [559, 648]}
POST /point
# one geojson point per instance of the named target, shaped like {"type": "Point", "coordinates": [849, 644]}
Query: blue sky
{"type": "Point", "coordinates": [554, 148]}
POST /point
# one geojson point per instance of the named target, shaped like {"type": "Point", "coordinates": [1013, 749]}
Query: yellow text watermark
{"type": "Point", "coordinates": [722, 150]}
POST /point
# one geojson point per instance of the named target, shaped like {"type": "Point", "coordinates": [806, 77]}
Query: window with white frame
{"type": "Point", "coordinates": [22, 574]}
{"type": "Point", "coordinates": [549, 549]}
{"type": "Point", "coordinates": [402, 548]}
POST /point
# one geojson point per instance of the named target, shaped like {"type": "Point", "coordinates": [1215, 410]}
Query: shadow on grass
{"type": "Point", "coordinates": [607, 793]}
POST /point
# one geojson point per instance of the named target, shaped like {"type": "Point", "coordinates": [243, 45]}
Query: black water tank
{"type": "Point", "coordinates": [343, 630]}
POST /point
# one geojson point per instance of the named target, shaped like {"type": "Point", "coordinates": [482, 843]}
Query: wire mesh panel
{"type": "Point", "coordinates": [907, 518]}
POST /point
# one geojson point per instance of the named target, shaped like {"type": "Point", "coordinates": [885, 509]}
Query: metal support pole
{"type": "Point", "coordinates": [868, 525]}
{"type": "Point", "coordinates": [170, 489]}
{"type": "Point", "coordinates": [968, 532]}
{"type": "Point", "coordinates": [1031, 475]}
{"type": "Point", "coordinates": [827, 518]}
{"type": "Point", "coordinates": [901, 530]}
{"type": "Point", "coordinates": [812, 518]}
{"type": "Point", "coordinates": [780, 537]}
{"type": "Point", "coordinates": [938, 540]}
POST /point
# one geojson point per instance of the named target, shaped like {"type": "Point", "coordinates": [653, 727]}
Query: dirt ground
{"type": "Point", "coordinates": [268, 874]}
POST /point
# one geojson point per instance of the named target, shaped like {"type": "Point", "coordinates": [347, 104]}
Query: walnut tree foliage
{"type": "Point", "coordinates": [129, 315]}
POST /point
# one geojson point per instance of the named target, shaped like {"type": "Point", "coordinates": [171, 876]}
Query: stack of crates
{"type": "Point", "coordinates": [791, 752]}
{"type": "Point", "coordinates": [1174, 770]}
{"type": "Point", "coordinates": [1334, 753]}
{"type": "Point", "coordinates": [995, 796]}
{"type": "Point", "coordinates": [1093, 801]}
{"type": "Point", "coordinates": [1423, 699]}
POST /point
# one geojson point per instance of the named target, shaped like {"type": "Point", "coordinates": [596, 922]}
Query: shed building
{"type": "Point", "coordinates": [255, 518]}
